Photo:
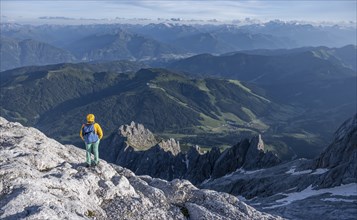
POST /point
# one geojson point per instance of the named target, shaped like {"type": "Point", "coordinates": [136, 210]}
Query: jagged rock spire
{"type": "Point", "coordinates": [138, 136]}
{"type": "Point", "coordinates": [171, 145]}
{"type": "Point", "coordinates": [137, 149]}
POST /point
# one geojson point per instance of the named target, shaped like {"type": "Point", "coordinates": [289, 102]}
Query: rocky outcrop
{"type": "Point", "coordinates": [247, 155]}
{"type": "Point", "coordinates": [199, 166]}
{"type": "Point", "coordinates": [171, 146]}
{"type": "Point", "coordinates": [138, 136]}
{"type": "Point", "coordinates": [329, 182]}
{"type": "Point", "coordinates": [342, 147]}
{"type": "Point", "coordinates": [257, 158]}
{"type": "Point", "coordinates": [165, 160]}
{"type": "Point", "coordinates": [340, 157]}
{"type": "Point", "coordinates": [42, 179]}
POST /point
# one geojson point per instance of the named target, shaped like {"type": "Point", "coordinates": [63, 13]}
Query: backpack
{"type": "Point", "coordinates": [89, 134]}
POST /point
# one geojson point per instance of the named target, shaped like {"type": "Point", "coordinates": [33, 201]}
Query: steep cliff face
{"type": "Point", "coordinates": [247, 154]}
{"type": "Point", "coordinates": [136, 148]}
{"type": "Point", "coordinates": [342, 147]}
{"type": "Point", "coordinates": [340, 157]}
{"type": "Point", "coordinates": [303, 189]}
{"type": "Point", "coordinates": [42, 179]}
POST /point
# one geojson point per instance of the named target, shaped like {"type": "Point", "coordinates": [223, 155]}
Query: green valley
{"type": "Point", "coordinates": [206, 112]}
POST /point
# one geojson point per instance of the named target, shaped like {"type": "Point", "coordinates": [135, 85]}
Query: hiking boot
{"type": "Point", "coordinates": [87, 165]}
{"type": "Point", "coordinates": [95, 164]}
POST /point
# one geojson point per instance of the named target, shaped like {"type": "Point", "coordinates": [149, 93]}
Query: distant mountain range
{"type": "Point", "coordinates": [157, 42]}
{"type": "Point", "coordinates": [274, 66]}
{"type": "Point", "coordinates": [306, 34]}
{"type": "Point", "coordinates": [119, 45]}
{"type": "Point", "coordinates": [295, 96]}
{"type": "Point", "coordinates": [321, 82]}
{"type": "Point", "coordinates": [210, 95]}
{"type": "Point", "coordinates": [345, 56]}
{"type": "Point", "coordinates": [18, 53]}
{"type": "Point", "coordinates": [296, 116]}
{"type": "Point", "coordinates": [292, 76]}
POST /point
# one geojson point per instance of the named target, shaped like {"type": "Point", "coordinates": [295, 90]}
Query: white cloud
{"type": "Point", "coordinates": [339, 10]}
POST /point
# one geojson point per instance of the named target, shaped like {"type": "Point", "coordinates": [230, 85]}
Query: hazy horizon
{"type": "Point", "coordinates": [70, 12]}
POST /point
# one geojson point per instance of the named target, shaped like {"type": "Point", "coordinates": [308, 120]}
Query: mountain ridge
{"type": "Point", "coordinates": [119, 44]}
{"type": "Point", "coordinates": [18, 53]}
{"type": "Point", "coordinates": [304, 112]}
{"type": "Point", "coordinates": [159, 43]}
{"type": "Point", "coordinates": [243, 66]}
{"type": "Point", "coordinates": [136, 148]}
{"type": "Point", "coordinates": [154, 97]}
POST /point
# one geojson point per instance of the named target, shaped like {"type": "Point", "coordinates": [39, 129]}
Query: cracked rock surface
{"type": "Point", "coordinates": [43, 179]}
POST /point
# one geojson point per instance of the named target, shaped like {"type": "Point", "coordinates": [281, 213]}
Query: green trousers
{"type": "Point", "coordinates": [92, 147]}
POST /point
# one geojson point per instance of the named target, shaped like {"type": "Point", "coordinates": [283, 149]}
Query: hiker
{"type": "Point", "coordinates": [91, 133]}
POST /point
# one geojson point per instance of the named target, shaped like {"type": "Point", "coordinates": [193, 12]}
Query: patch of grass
{"type": "Point", "coordinates": [258, 124]}
{"type": "Point", "coordinates": [231, 117]}
{"type": "Point", "coordinates": [154, 86]}
{"type": "Point", "coordinates": [81, 74]}
{"type": "Point", "coordinates": [174, 135]}
{"type": "Point", "coordinates": [223, 148]}
{"type": "Point", "coordinates": [210, 122]}
{"type": "Point", "coordinates": [308, 137]}
{"type": "Point", "coordinates": [15, 116]}
{"type": "Point", "coordinates": [239, 84]}
{"type": "Point", "coordinates": [279, 148]}
{"type": "Point", "coordinates": [90, 213]}
{"type": "Point", "coordinates": [21, 78]}
{"type": "Point", "coordinates": [201, 84]}
{"type": "Point", "coordinates": [140, 147]}
{"type": "Point", "coordinates": [248, 112]}
{"type": "Point", "coordinates": [165, 75]}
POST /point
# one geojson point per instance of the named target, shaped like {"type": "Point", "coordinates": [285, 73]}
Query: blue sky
{"type": "Point", "coordinates": [310, 10]}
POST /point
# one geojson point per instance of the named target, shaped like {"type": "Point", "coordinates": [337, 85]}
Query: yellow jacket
{"type": "Point", "coordinates": [97, 129]}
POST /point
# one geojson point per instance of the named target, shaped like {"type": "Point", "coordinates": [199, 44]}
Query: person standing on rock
{"type": "Point", "coordinates": [91, 133]}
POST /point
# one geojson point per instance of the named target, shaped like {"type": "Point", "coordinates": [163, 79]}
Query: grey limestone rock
{"type": "Point", "coordinates": [340, 157]}
{"type": "Point", "coordinates": [247, 154]}
{"type": "Point", "coordinates": [138, 136]}
{"type": "Point", "coordinates": [165, 159]}
{"type": "Point", "coordinates": [302, 189]}
{"type": "Point", "coordinates": [43, 179]}
{"type": "Point", "coordinates": [171, 146]}
{"type": "Point", "coordinates": [342, 147]}
{"type": "Point", "coordinates": [200, 165]}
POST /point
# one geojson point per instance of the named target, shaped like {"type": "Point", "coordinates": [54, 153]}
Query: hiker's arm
{"type": "Point", "coordinates": [80, 133]}
{"type": "Point", "coordinates": [98, 130]}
